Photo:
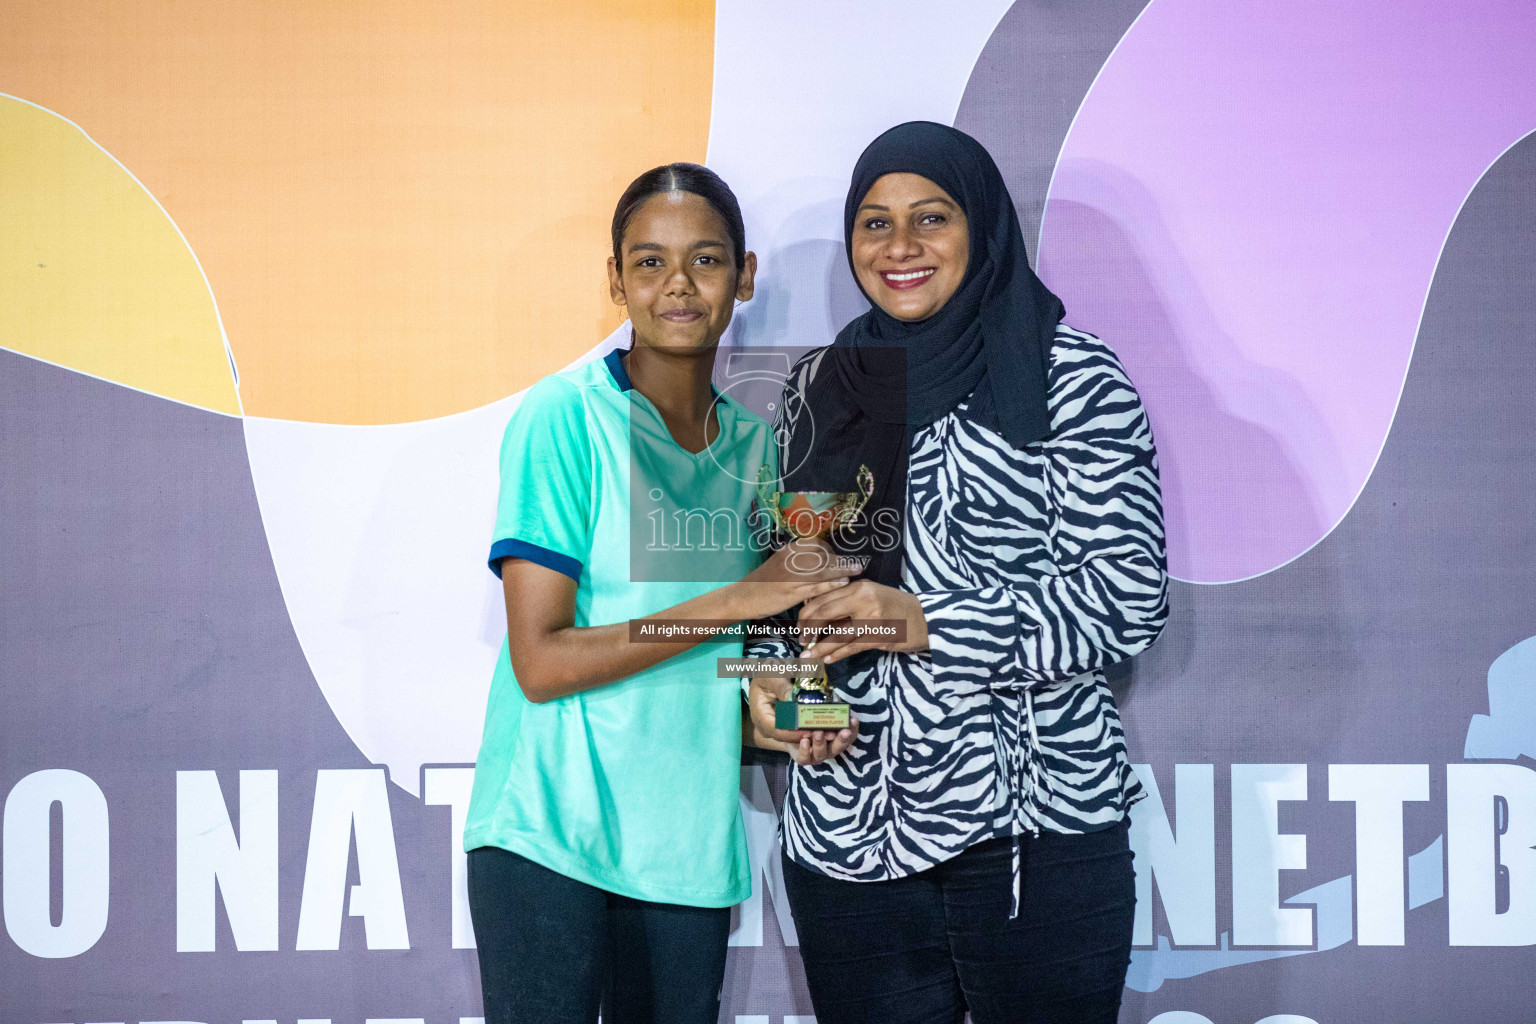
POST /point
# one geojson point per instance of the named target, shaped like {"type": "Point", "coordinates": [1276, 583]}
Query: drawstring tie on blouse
{"type": "Point", "coordinates": [1028, 749]}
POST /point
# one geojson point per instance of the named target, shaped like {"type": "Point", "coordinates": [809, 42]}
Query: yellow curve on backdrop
{"type": "Point", "coordinates": [93, 274]}
{"type": "Point", "coordinates": [402, 208]}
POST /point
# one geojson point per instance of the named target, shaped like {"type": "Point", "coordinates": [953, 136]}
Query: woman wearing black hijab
{"type": "Point", "coordinates": [965, 847]}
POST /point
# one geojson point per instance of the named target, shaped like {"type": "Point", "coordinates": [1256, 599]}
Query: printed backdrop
{"type": "Point", "coordinates": [273, 276]}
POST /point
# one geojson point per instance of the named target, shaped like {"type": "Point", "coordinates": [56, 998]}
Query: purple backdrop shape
{"type": "Point", "coordinates": [1249, 208]}
{"type": "Point", "coordinates": [1375, 646]}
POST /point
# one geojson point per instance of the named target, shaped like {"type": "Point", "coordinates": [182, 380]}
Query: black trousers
{"type": "Point", "coordinates": [926, 948]}
{"type": "Point", "coordinates": [553, 949]}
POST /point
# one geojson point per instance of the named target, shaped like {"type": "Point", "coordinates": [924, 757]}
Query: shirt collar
{"type": "Point", "coordinates": [615, 362]}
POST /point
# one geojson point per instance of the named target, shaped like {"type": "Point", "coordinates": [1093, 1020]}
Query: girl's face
{"type": "Point", "coordinates": [676, 273]}
{"type": "Point", "coordinates": [910, 246]}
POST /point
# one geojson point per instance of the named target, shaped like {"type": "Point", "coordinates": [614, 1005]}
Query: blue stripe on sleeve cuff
{"type": "Point", "coordinates": [510, 548]}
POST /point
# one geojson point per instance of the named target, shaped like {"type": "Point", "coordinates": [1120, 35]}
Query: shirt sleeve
{"type": "Point", "coordinates": [1110, 599]}
{"type": "Point", "coordinates": [544, 512]}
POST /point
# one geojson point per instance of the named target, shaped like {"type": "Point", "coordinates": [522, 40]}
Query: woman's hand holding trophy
{"type": "Point", "coordinates": [802, 712]}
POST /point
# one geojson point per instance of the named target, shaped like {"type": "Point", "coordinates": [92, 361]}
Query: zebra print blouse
{"type": "Point", "coordinates": [1035, 568]}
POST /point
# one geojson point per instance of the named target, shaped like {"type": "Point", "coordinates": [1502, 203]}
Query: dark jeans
{"type": "Point", "coordinates": [925, 948]}
{"type": "Point", "coordinates": [551, 948]}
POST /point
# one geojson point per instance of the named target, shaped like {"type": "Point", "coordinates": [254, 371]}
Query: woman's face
{"type": "Point", "coordinates": [676, 273]}
{"type": "Point", "coordinates": [910, 246]}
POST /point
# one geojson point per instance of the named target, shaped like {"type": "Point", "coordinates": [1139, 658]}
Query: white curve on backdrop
{"type": "Point", "coordinates": [379, 533]}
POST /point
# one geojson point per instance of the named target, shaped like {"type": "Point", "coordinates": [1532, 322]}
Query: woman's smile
{"type": "Point", "coordinates": [905, 280]}
{"type": "Point", "coordinates": [682, 315]}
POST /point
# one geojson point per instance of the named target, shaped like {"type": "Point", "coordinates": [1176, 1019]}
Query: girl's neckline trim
{"type": "Point", "coordinates": [614, 361]}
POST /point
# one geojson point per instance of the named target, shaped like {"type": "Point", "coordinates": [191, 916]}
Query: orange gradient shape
{"type": "Point", "coordinates": [401, 208]}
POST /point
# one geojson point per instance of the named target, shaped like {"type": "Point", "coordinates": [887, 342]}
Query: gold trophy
{"type": "Point", "coordinates": [808, 514]}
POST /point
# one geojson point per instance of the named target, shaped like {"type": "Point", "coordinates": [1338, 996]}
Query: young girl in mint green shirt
{"type": "Point", "coordinates": [604, 835]}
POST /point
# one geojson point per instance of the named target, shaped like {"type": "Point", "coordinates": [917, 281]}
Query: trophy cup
{"type": "Point", "coordinates": [808, 514]}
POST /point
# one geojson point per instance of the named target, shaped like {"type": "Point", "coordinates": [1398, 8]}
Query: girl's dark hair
{"type": "Point", "coordinates": [682, 177]}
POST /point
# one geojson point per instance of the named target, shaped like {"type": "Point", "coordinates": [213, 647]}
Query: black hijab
{"type": "Point", "coordinates": [883, 379]}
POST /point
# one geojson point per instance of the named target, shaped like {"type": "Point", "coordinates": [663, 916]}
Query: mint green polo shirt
{"type": "Point", "coordinates": [631, 787]}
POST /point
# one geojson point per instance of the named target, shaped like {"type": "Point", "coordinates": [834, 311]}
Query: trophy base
{"type": "Point", "coordinates": [789, 716]}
